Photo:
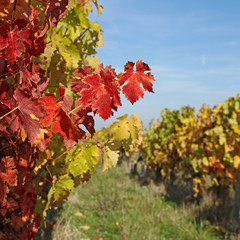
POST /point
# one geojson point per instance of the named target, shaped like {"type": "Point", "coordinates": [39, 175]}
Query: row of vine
{"type": "Point", "coordinates": [204, 147]}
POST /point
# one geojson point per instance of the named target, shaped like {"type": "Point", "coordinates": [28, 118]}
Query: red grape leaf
{"type": "Point", "coordinates": [35, 82]}
{"type": "Point", "coordinates": [14, 42]}
{"type": "Point", "coordinates": [51, 107]}
{"type": "Point", "coordinates": [3, 64]}
{"type": "Point", "coordinates": [19, 8]}
{"type": "Point", "coordinates": [8, 173]}
{"type": "Point", "coordinates": [10, 177]}
{"type": "Point", "coordinates": [38, 35]}
{"type": "Point", "coordinates": [29, 113]}
{"type": "Point", "coordinates": [64, 125]}
{"type": "Point", "coordinates": [56, 10]}
{"type": "Point", "coordinates": [3, 191]}
{"type": "Point", "coordinates": [100, 91]}
{"type": "Point", "coordinates": [132, 89]}
{"type": "Point", "coordinates": [61, 91]}
{"type": "Point", "coordinates": [17, 222]}
{"type": "Point", "coordinates": [80, 116]}
{"type": "Point", "coordinates": [6, 134]}
{"type": "Point", "coordinates": [58, 118]}
{"type": "Point", "coordinates": [78, 83]}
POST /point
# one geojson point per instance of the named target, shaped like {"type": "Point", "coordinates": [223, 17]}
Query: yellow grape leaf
{"type": "Point", "coordinates": [236, 162]}
{"type": "Point", "coordinates": [120, 129]}
{"type": "Point", "coordinates": [215, 181]}
{"type": "Point", "coordinates": [93, 61]}
{"type": "Point", "coordinates": [126, 128]}
{"type": "Point", "coordinates": [109, 158]}
{"type": "Point", "coordinates": [222, 140]}
{"type": "Point", "coordinates": [135, 126]}
{"type": "Point", "coordinates": [228, 148]}
{"type": "Point", "coordinates": [99, 7]}
{"type": "Point", "coordinates": [230, 173]}
{"type": "Point", "coordinates": [78, 214]}
{"type": "Point", "coordinates": [170, 146]}
{"type": "Point", "coordinates": [225, 108]}
{"type": "Point", "coordinates": [205, 161]}
{"type": "Point", "coordinates": [197, 180]}
{"type": "Point", "coordinates": [85, 227]}
{"type": "Point", "coordinates": [236, 106]}
{"type": "Point", "coordinates": [236, 129]}
{"type": "Point", "coordinates": [218, 130]}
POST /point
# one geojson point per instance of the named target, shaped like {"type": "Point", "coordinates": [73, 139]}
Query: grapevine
{"type": "Point", "coordinates": [51, 86]}
{"type": "Point", "coordinates": [203, 147]}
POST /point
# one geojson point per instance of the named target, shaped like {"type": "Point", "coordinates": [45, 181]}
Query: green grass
{"type": "Point", "coordinates": [113, 206]}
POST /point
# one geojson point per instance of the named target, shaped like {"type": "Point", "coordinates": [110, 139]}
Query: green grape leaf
{"type": "Point", "coordinates": [82, 159]}
{"type": "Point", "coordinates": [63, 186]}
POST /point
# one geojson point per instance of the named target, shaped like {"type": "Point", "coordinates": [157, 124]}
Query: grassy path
{"type": "Point", "coordinates": [113, 206]}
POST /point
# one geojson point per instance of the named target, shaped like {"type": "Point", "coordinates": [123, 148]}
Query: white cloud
{"type": "Point", "coordinates": [203, 59]}
{"type": "Point", "coordinates": [233, 43]}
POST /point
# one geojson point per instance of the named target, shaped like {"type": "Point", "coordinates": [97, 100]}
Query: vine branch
{"type": "Point", "coordinates": [9, 112]}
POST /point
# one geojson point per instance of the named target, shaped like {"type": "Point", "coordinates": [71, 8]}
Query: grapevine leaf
{"type": "Point", "coordinates": [126, 128]}
{"type": "Point", "coordinates": [99, 90]}
{"type": "Point", "coordinates": [62, 187]}
{"type": "Point", "coordinates": [109, 158]}
{"type": "Point", "coordinates": [35, 82]}
{"type": "Point", "coordinates": [21, 9]}
{"type": "Point", "coordinates": [80, 116]}
{"type": "Point", "coordinates": [236, 162]}
{"type": "Point", "coordinates": [8, 172]}
{"type": "Point", "coordinates": [56, 10]}
{"type": "Point", "coordinates": [132, 89]}
{"type": "Point", "coordinates": [51, 107]}
{"type": "Point", "coordinates": [6, 134]}
{"type": "Point", "coordinates": [30, 112]}
{"type": "Point", "coordinates": [64, 125]}
{"type": "Point", "coordinates": [14, 42]}
{"type": "Point", "coordinates": [10, 177]}
{"type": "Point", "coordinates": [82, 159]}
{"type": "Point", "coordinates": [39, 81]}
{"type": "Point", "coordinates": [58, 118]}
{"type": "Point", "coordinates": [3, 191]}
{"type": "Point", "coordinates": [78, 83]}
{"type": "Point", "coordinates": [135, 126]}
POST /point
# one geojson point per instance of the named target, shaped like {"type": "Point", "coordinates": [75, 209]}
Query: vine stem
{"type": "Point", "coordinates": [74, 109]}
{"type": "Point", "coordinates": [9, 112]}
{"type": "Point", "coordinates": [49, 172]}
{"type": "Point", "coordinates": [48, 163]}
{"type": "Point", "coordinates": [55, 159]}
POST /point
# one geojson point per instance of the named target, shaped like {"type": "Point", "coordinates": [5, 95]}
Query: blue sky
{"type": "Point", "coordinates": [192, 47]}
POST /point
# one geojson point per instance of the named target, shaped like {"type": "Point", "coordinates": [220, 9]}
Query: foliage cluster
{"type": "Point", "coordinates": [51, 86]}
{"type": "Point", "coordinates": [203, 146]}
